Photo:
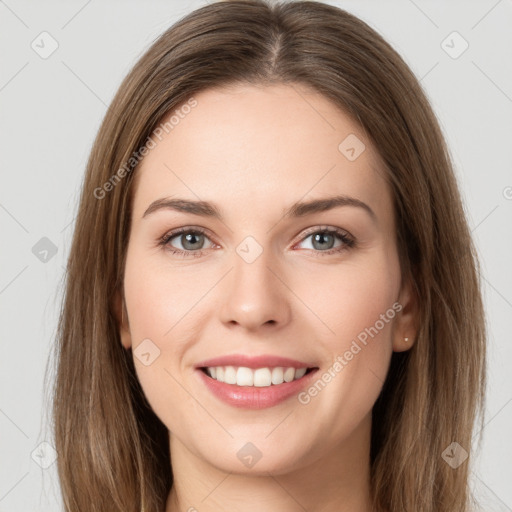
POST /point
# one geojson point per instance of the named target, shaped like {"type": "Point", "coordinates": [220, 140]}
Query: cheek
{"type": "Point", "coordinates": [157, 313]}
{"type": "Point", "coordinates": [168, 306]}
{"type": "Point", "coordinates": [160, 300]}
{"type": "Point", "coordinates": [358, 304]}
{"type": "Point", "coordinates": [351, 300]}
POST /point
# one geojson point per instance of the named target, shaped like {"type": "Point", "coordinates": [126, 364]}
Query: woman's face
{"type": "Point", "coordinates": [319, 286]}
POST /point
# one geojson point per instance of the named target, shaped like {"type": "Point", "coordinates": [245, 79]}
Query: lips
{"type": "Point", "coordinates": [262, 361]}
{"type": "Point", "coordinates": [254, 382]}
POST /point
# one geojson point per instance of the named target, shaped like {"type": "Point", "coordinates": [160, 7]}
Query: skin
{"type": "Point", "coordinates": [254, 151]}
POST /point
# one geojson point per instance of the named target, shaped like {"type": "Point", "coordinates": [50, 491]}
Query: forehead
{"type": "Point", "coordinates": [261, 145]}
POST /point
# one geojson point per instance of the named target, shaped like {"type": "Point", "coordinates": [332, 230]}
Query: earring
{"type": "Point", "coordinates": [406, 339]}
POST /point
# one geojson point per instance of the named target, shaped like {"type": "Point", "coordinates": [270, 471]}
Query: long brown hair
{"type": "Point", "coordinates": [113, 451]}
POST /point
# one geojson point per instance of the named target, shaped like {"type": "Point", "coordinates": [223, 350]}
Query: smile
{"type": "Point", "coordinates": [259, 377]}
{"type": "Point", "coordinates": [255, 381]}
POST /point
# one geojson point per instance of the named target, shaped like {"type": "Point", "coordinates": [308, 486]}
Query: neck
{"type": "Point", "coordinates": [337, 481]}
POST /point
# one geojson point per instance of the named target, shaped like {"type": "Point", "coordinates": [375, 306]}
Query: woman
{"type": "Point", "coordinates": [270, 281]}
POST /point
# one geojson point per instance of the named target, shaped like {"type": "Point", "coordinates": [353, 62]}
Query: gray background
{"type": "Point", "coordinates": [51, 109]}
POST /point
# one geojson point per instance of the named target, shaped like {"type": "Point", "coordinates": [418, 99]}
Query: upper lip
{"type": "Point", "coordinates": [262, 361]}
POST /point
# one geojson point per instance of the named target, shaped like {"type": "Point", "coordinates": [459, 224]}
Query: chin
{"type": "Point", "coordinates": [255, 458]}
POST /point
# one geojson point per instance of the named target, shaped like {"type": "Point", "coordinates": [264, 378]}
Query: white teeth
{"type": "Point", "coordinates": [289, 374]}
{"type": "Point", "coordinates": [261, 377]}
{"type": "Point", "coordinates": [230, 375]}
{"type": "Point", "coordinates": [244, 377]}
{"type": "Point", "coordinates": [277, 376]}
{"type": "Point", "coordinates": [300, 372]}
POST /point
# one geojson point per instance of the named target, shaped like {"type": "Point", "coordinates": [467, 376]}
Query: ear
{"type": "Point", "coordinates": [121, 317]}
{"type": "Point", "coordinates": [407, 319]}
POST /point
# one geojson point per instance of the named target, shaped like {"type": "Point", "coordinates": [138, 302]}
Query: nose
{"type": "Point", "coordinates": [255, 294]}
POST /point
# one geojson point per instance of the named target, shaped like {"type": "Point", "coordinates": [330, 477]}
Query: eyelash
{"type": "Point", "coordinates": [348, 241]}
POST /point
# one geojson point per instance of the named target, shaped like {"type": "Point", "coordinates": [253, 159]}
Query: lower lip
{"type": "Point", "coordinates": [251, 397]}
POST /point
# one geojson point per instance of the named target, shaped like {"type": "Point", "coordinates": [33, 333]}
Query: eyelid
{"type": "Point", "coordinates": [186, 229]}
{"type": "Point", "coordinates": [322, 229]}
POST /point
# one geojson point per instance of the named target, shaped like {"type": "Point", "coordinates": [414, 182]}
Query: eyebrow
{"type": "Point", "coordinates": [299, 209]}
